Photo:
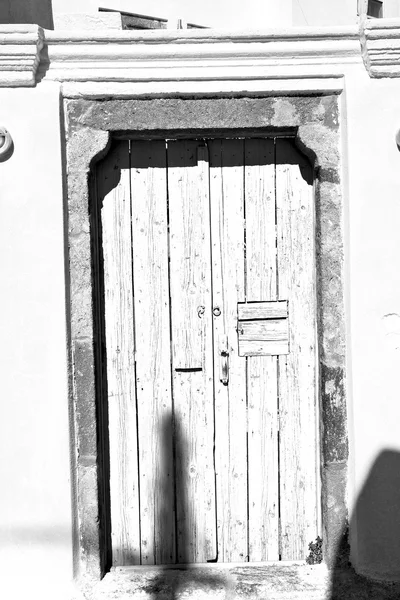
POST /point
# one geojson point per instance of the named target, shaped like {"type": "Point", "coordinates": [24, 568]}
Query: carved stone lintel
{"type": "Point", "coordinates": [20, 47]}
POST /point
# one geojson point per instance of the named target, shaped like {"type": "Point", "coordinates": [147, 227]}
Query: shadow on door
{"type": "Point", "coordinates": [173, 580]}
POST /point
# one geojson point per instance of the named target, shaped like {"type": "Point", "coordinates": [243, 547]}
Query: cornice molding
{"type": "Point", "coordinates": [152, 59]}
{"type": "Point", "coordinates": [20, 47]}
{"type": "Point", "coordinates": [380, 40]}
{"type": "Point", "coordinates": [198, 55]}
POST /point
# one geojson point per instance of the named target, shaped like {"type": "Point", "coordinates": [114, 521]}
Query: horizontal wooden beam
{"type": "Point", "coordinates": [273, 330]}
{"type": "Point", "coordinates": [262, 310]}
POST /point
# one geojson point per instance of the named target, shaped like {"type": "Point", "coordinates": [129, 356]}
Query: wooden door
{"type": "Point", "coordinates": [209, 283]}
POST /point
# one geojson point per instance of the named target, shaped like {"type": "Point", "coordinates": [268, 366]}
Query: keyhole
{"type": "Point", "coordinates": [216, 311]}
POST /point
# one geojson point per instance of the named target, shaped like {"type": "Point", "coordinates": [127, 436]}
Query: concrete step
{"type": "Point", "coordinates": [269, 581]}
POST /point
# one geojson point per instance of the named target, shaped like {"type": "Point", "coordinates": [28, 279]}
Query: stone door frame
{"type": "Point", "coordinates": [314, 121]}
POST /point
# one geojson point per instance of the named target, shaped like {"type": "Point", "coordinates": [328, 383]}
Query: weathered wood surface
{"type": "Point", "coordinates": [153, 362]}
{"type": "Point", "coordinates": [227, 237]}
{"type": "Point", "coordinates": [297, 371]}
{"type": "Point", "coordinates": [268, 329]}
{"type": "Point", "coordinates": [263, 348]}
{"type": "Point", "coordinates": [113, 187]}
{"type": "Point", "coordinates": [220, 248]}
{"type": "Point", "coordinates": [261, 310]}
{"type": "Point", "coordinates": [190, 284]}
{"type": "Point", "coordinates": [262, 371]}
{"type": "Point", "coordinates": [263, 337]}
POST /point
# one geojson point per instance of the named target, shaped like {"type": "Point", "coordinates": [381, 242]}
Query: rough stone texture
{"type": "Point", "coordinates": [315, 122]}
{"type": "Point", "coordinates": [275, 582]}
{"type": "Point", "coordinates": [334, 511]}
{"type": "Point", "coordinates": [81, 148]}
{"type": "Point", "coordinates": [288, 582]}
{"type": "Point", "coordinates": [335, 446]}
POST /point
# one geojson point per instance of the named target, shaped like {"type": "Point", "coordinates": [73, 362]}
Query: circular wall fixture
{"type": "Point", "coordinates": [6, 144]}
{"type": "Point", "coordinates": [398, 139]}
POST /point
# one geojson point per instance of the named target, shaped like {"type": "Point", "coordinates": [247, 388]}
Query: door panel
{"type": "Point", "coordinates": [228, 274]}
{"type": "Point", "coordinates": [152, 350]}
{"type": "Point", "coordinates": [113, 186]}
{"type": "Point", "coordinates": [213, 455]}
{"type": "Point", "coordinates": [192, 366]}
{"type": "Point", "coordinates": [262, 379]}
{"type": "Point", "coordinates": [297, 370]}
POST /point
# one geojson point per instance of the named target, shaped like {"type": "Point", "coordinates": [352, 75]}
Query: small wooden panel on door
{"type": "Point", "coordinates": [211, 350]}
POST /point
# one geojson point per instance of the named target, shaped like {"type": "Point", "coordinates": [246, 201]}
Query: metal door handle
{"type": "Point", "coordinates": [224, 360]}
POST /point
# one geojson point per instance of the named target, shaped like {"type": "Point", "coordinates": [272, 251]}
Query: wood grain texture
{"type": "Point", "coordinates": [153, 362]}
{"type": "Point", "coordinates": [114, 189]}
{"type": "Point", "coordinates": [227, 234]}
{"type": "Point", "coordinates": [262, 371]}
{"type": "Point", "coordinates": [263, 329]}
{"type": "Point", "coordinates": [297, 371]}
{"type": "Point", "coordinates": [263, 348]}
{"type": "Point", "coordinates": [261, 310]}
{"type": "Point", "coordinates": [189, 209]}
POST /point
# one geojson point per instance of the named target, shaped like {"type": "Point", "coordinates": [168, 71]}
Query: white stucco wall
{"type": "Point", "coordinates": [35, 505]}
{"type": "Point", "coordinates": [373, 249]}
{"type": "Point", "coordinates": [35, 511]}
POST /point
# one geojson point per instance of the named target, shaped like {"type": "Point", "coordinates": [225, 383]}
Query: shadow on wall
{"type": "Point", "coordinates": [376, 524]}
{"type": "Point", "coordinates": [174, 582]}
{"type": "Point", "coordinates": [37, 12]}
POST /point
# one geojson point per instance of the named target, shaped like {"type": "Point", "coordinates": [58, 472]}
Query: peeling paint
{"type": "Point", "coordinates": [285, 113]}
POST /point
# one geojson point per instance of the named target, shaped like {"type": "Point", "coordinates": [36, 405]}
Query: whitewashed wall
{"type": "Point", "coordinates": [35, 499]}
{"type": "Point", "coordinates": [35, 507]}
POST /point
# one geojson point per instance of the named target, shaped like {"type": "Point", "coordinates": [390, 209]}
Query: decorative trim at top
{"type": "Point", "coordinates": [198, 55]}
{"type": "Point", "coordinates": [157, 57]}
{"type": "Point", "coordinates": [20, 47]}
{"type": "Point", "coordinates": [380, 40]}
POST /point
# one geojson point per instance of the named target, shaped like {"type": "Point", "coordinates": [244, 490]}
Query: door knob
{"type": "Point", "coordinates": [216, 311]}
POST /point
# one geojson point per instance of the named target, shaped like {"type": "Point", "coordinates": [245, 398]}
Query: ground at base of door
{"type": "Point", "coordinates": [274, 582]}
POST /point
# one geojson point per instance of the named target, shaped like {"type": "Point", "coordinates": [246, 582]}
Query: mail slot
{"type": "Point", "coordinates": [263, 328]}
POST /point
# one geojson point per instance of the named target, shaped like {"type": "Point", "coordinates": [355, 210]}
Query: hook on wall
{"type": "Point", "coordinates": [6, 144]}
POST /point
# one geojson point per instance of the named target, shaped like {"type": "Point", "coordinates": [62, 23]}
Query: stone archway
{"type": "Point", "coordinates": [91, 124]}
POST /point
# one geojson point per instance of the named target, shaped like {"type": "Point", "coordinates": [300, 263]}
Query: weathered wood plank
{"type": "Point", "coordinates": [188, 192]}
{"type": "Point", "coordinates": [262, 310]}
{"type": "Point", "coordinates": [227, 234]}
{"type": "Point", "coordinates": [263, 348]}
{"type": "Point", "coordinates": [153, 363]}
{"type": "Point", "coordinates": [262, 371]}
{"type": "Point", "coordinates": [263, 330]}
{"type": "Point", "coordinates": [297, 371]}
{"type": "Point", "coordinates": [190, 226]}
{"type": "Point", "coordinates": [114, 190]}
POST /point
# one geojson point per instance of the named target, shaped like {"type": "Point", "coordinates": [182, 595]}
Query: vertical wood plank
{"type": "Point", "coordinates": [114, 189]}
{"type": "Point", "coordinates": [262, 370]}
{"type": "Point", "coordinates": [190, 285]}
{"type": "Point", "coordinates": [297, 371]}
{"type": "Point", "coordinates": [153, 361]}
{"type": "Point", "coordinates": [227, 234]}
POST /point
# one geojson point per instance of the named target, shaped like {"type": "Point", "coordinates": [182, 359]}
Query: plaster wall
{"type": "Point", "coordinates": [35, 499]}
{"type": "Point", "coordinates": [373, 251]}
{"type": "Point", "coordinates": [35, 521]}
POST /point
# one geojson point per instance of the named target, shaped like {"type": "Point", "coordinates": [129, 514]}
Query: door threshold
{"type": "Point", "coordinates": [213, 565]}
{"type": "Point", "coordinates": [256, 581]}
